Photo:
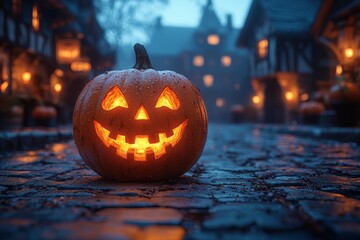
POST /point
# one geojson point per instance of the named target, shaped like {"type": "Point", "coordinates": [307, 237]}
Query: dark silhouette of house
{"type": "Point", "coordinates": [278, 36]}
{"type": "Point", "coordinates": [207, 55]}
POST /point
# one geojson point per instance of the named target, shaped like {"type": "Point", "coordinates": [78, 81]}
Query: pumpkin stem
{"type": "Point", "coordinates": [142, 58]}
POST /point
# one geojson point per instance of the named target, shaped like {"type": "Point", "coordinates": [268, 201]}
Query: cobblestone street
{"type": "Point", "coordinates": [248, 184]}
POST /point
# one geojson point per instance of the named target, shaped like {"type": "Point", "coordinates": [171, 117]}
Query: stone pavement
{"type": "Point", "coordinates": [250, 183]}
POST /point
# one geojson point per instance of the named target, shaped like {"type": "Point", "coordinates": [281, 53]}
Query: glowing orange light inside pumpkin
{"type": "Point", "coordinates": [26, 77]}
{"type": "Point", "coordinates": [349, 52]}
{"type": "Point", "coordinates": [142, 149]}
{"type": "Point", "coordinates": [141, 114]}
{"type": "Point", "coordinates": [256, 99]}
{"type": "Point", "coordinates": [168, 99]}
{"type": "Point", "coordinates": [289, 95]}
{"type": "Point", "coordinates": [114, 98]}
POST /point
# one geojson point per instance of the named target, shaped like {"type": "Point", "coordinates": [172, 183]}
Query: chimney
{"type": "Point", "coordinates": [229, 21]}
{"type": "Point", "coordinates": [158, 22]}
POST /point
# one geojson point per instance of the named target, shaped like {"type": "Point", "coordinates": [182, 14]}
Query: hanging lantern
{"type": "Point", "coordinates": [67, 50]}
{"type": "Point", "coordinates": [81, 66]}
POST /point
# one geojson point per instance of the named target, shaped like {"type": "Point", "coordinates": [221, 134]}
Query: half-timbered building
{"type": "Point", "coordinates": [287, 63]}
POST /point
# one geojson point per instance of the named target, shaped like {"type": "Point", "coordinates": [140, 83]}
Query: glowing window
{"type": "Point", "coordinates": [208, 80]}
{"type": "Point", "coordinates": [213, 39]}
{"type": "Point", "coordinates": [226, 61]}
{"type": "Point", "coordinates": [198, 61]}
{"type": "Point", "coordinates": [57, 87]}
{"type": "Point", "coordinates": [289, 95]}
{"type": "Point", "coordinates": [35, 18]}
{"type": "Point", "coordinates": [256, 99]}
{"type": "Point", "coordinates": [220, 102]}
{"type": "Point", "coordinates": [262, 48]}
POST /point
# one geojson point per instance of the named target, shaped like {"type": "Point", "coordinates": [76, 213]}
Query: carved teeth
{"type": "Point", "coordinates": [149, 154]}
{"type": "Point", "coordinates": [154, 138]}
{"type": "Point", "coordinates": [167, 147]}
{"type": "Point", "coordinates": [112, 135]}
{"type": "Point", "coordinates": [130, 139]}
{"type": "Point", "coordinates": [131, 154]}
{"type": "Point", "coordinates": [169, 133]}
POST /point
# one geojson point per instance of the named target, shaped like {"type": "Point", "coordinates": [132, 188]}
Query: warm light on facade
{"type": "Point", "coordinates": [35, 18]}
{"type": "Point", "coordinates": [349, 52]}
{"type": "Point", "coordinates": [208, 80]}
{"type": "Point", "coordinates": [226, 61]}
{"type": "Point", "coordinates": [4, 87]}
{"type": "Point", "coordinates": [255, 99]}
{"type": "Point", "coordinates": [80, 66]}
{"type": "Point", "coordinates": [59, 72]}
{"type": "Point", "coordinates": [289, 96]}
{"type": "Point", "coordinates": [263, 48]}
{"type": "Point", "coordinates": [304, 97]}
{"type": "Point", "coordinates": [57, 87]}
{"type": "Point", "coordinates": [220, 102]}
{"type": "Point", "coordinates": [213, 39]}
{"type": "Point", "coordinates": [338, 70]}
{"type": "Point", "coordinates": [198, 61]}
{"type": "Point", "coordinates": [67, 50]}
{"type": "Point", "coordinates": [26, 77]}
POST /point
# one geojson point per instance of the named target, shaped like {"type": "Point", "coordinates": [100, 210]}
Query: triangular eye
{"type": "Point", "coordinates": [114, 98]}
{"type": "Point", "coordinates": [168, 99]}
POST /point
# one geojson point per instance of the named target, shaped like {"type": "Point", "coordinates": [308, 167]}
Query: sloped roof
{"type": "Point", "coordinates": [209, 20]}
{"type": "Point", "coordinates": [168, 40]}
{"type": "Point", "coordinates": [285, 16]}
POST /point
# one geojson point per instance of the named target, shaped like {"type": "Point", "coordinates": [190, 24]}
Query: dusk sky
{"type": "Point", "coordinates": [188, 12]}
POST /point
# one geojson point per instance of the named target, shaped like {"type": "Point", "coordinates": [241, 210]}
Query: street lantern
{"type": "Point", "coordinates": [57, 87]}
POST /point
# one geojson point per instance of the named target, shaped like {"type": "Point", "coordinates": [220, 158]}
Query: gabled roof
{"type": "Point", "coordinates": [209, 20]}
{"type": "Point", "coordinates": [285, 16]}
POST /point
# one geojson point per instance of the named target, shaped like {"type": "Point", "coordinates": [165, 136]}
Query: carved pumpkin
{"type": "Point", "coordinates": [140, 124]}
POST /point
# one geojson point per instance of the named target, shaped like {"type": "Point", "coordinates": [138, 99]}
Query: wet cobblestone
{"type": "Point", "coordinates": [250, 183]}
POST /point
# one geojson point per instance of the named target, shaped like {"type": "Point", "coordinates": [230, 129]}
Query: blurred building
{"type": "Point", "coordinates": [207, 55]}
{"type": "Point", "coordinates": [48, 51]}
{"type": "Point", "coordinates": [287, 63]}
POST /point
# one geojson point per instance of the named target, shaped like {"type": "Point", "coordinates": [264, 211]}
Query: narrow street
{"type": "Point", "coordinates": [249, 184]}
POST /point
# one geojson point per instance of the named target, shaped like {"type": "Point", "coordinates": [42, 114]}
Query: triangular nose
{"type": "Point", "coordinates": [141, 114]}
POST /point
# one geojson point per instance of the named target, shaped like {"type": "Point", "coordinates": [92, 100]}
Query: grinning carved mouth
{"type": "Point", "coordinates": [141, 149]}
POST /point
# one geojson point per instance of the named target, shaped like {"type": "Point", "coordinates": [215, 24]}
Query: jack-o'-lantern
{"type": "Point", "coordinates": [140, 124]}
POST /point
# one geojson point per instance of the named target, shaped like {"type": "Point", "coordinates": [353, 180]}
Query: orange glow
{"type": "Point", "coordinates": [208, 80]}
{"type": "Point", "coordinates": [114, 98]}
{"type": "Point", "coordinates": [198, 61]}
{"type": "Point", "coordinates": [263, 48]}
{"type": "Point", "coordinates": [4, 86]}
{"type": "Point", "coordinates": [35, 18]}
{"type": "Point", "coordinates": [213, 39]}
{"type": "Point", "coordinates": [142, 149]}
{"type": "Point", "coordinates": [220, 102]}
{"type": "Point", "coordinates": [256, 99]}
{"type": "Point", "coordinates": [304, 97]}
{"type": "Point", "coordinates": [67, 50]}
{"type": "Point", "coordinates": [338, 70]}
{"type": "Point", "coordinates": [26, 77]}
{"type": "Point", "coordinates": [59, 72]}
{"type": "Point", "coordinates": [226, 61]}
{"type": "Point", "coordinates": [57, 87]}
{"type": "Point", "coordinates": [141, 114]}
{"type": "Point", "coordinates": [349, 52]}
{"type": "Point", "coordinates": [80, 66]}
{"type": "Point", "coordinates": [168, 99]}
{"type": "Point", "coordinates": [289, 95]}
